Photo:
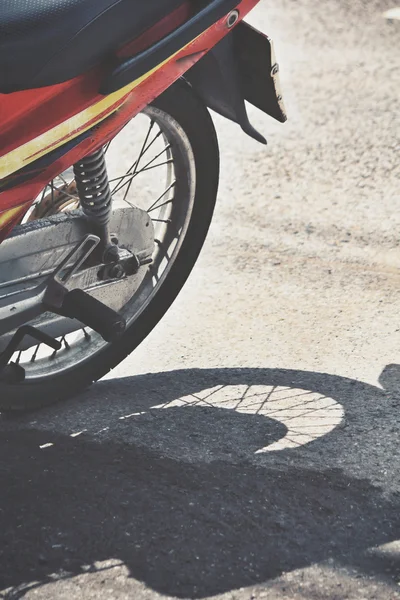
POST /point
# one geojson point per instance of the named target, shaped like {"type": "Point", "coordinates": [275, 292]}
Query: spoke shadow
{"type": "Point", "coordinates": [166, 478]}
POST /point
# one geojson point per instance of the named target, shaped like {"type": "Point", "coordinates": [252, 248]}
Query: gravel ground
{"type": "Point", "coordinates": [146, 486]}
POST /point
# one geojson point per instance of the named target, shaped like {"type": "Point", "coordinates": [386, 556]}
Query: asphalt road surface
{"type": "Point", "coordinates": [148, 486]}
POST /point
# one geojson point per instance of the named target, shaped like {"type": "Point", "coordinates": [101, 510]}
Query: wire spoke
{"type": "Point", "coordinates": [128, 188]}
{"type": "Point", "coordinates": [161, 205]}
{"type": "Point", "coordinates": [61, 176]}
{"type": "Point", "coordinates": [166, 162]}
{"type": "Point", "coordinates": [61, 191]}
{"type": "Point", "coordinates": [130, 176]}
{"type": "Point", "coordinates": [142, 151]}
{"type": "Point", "coordinates": [145, 148]}
{"type": "Point", "coordinates": [163, 248]}
{"type": "Point", "coordinates": [154, 273]}
{"type": "Point", "coordinates": [124, 184]}
{"type": "Point", "coordinates": [154, 205]}
{"type": "Point", "coordinates": [43, 194]}
{"type": "Point", "coordinates": [34, 355]}
{"type": "Point", "coordinates": [42, 197]}
{"type": "Point", "coordinates": [64, 341]}
{"type": "Point", "coordinates": [106, 147]}
{"type": "Point", "coordinates": [52, 191]}
{"type": "Point", "coordinates": [154, 159]}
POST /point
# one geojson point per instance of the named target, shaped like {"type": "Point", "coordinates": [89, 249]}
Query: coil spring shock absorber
{"type": "Point", "coordinates": [95, 196]}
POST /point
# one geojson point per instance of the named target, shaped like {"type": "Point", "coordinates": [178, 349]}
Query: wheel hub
{"type": "Point", "coordinates": [31, 252]}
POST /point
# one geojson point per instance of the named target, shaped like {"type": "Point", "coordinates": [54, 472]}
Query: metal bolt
{"type": "Point", "coordinates": [275, 69]}
{"type": "Point", "coordinates": [232, 18]}
{"type": "Point", "coordinates": [117, 271]}
{"type": "Point", "coordinates": [111, 254]}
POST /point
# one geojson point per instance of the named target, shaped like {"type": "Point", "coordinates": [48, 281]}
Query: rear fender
{"type": "Point", "coordinates": [240, 67]}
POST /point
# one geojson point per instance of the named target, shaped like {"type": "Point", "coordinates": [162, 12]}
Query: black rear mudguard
{"type": "Point", "coordinates": [240, 67]}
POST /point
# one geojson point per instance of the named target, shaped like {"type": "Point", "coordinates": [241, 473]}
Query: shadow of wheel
{"type": "Point", "coordinates": [174, 490]}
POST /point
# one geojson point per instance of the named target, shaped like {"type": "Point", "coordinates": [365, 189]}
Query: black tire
{"type": "Point", "coordinates": [187, 109]}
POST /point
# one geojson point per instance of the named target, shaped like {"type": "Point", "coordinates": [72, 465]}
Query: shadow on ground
{"type": "Point", "coordinates": [218, 518]}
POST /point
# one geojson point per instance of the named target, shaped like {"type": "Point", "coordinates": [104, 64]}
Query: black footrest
{"type": "Point", "coordinates": [93, 313]}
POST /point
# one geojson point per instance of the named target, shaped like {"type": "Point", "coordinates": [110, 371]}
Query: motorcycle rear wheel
{"type": "Point", "coordinates": [180, 104]}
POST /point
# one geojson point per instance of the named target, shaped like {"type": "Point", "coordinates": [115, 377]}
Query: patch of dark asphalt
{"type": "Point", "coordinates": [192, 529]}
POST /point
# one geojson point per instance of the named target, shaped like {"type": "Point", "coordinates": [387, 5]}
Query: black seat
{"type": "Point", "coordinates": [44, 42]}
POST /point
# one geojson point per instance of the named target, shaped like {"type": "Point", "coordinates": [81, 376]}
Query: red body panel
{"type": "Point", "coordinates": [26, 115]}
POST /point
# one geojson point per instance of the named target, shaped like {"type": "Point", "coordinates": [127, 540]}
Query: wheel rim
{"type": "Point", "coordinates": [168, 198]}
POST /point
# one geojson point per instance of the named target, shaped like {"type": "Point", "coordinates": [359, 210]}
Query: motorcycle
{"type": "Point", "coordinates": [109, 169]}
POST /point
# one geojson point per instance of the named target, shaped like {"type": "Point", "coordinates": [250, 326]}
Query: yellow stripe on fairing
{"type": "Point", "coordinates": [8, 215]}
{"type": "Point", "coordinates": [56, 137]}
{"type": "Point", "coordinates": [68, 130]}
